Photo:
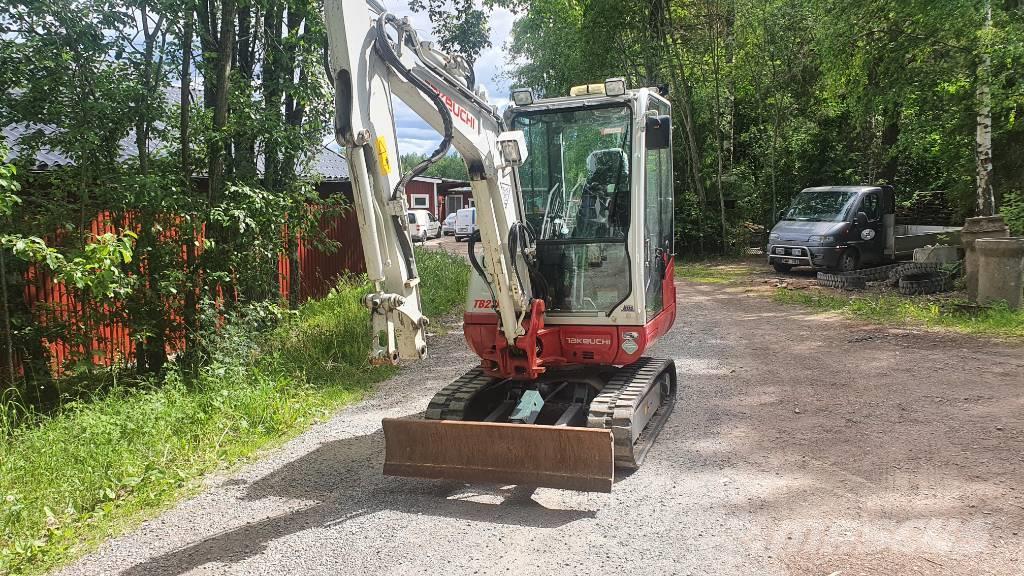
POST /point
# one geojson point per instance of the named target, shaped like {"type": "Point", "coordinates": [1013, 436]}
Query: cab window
{"type": "Point", "coordinates": [871, 208]}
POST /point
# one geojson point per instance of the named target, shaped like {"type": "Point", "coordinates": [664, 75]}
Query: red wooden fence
{"type": "Point", "coordinates": [74, 331]}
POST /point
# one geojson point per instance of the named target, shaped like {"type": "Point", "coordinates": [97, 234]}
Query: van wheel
{"type": "Point", "coordinates": [848, 261]}
{"type": "Point", "coordinates": [782, 268]}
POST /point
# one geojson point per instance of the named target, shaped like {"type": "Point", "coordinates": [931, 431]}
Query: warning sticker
{"type": "Point", "coordinates": [382, 155]}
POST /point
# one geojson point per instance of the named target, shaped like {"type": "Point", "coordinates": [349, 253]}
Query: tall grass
{"type": "Point", "coordinates": [98, 465]}
{"type": "Point", "coordinates": [445, 281]}
{"type": "Point", "coordinates": [996, 321]}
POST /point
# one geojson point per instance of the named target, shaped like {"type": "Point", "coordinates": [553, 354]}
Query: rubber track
{"type": "Point", "coordinates": [450, 402]}
{"type": "Point", "coordinates": [615, 406]}
{"type": "Point", "coordinates": [908, 268]}
{"type": "Point", "coordinates": [847, 281]}
{"type": "Point", "coordinates": [925, 283]}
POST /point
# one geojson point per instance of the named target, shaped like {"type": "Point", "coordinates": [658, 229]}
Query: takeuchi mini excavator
{"type": "Point", "coordinates": [572, 262]}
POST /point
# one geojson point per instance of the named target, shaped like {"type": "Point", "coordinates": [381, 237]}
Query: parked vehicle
{"type": "Point", "coordinates": [448, 226]}
{"type": "Point", "coordinates": [423, 225]}
{"type": "Point", "coordinates": [465, 223]}
{"type": "Point", "coordinates": [846, 228]}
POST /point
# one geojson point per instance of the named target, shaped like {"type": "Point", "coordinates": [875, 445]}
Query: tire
{"type": "Point", "coordinates": [925, 283]}
{"type": "Point", "coordinates": [457, 239]}
{"type": "Point", "coordinates": [782, 268]}
{"type": "Point", "coordinates": [849, 261]}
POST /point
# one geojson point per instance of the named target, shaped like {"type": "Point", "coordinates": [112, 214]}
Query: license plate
{"type": "Point", "coordinates": [790, 261]}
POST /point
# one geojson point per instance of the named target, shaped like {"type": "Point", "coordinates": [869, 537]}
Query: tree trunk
{"type": "Point", "coordinates": [983, 138]}
{"type": "Point", "coordinates": [219, 148]}
{"type": "Point", "coordinates": [890, 138]}
{"type": "Point", "coordinates": [294, 112]}
{"type": "Point", "coordinates": [716, 70]}
{"type": "Point", "coordinates": [7, 374]}
{"type": "Point", "coordinates": [192, 282]}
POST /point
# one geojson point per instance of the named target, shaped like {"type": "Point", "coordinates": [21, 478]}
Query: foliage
{"type": "Point", "coordinates": [207, 186]}
{"type": "Point", "coordinates": [998, 321]}
{"type": "Point", "coordinates": [102, 463]}
{"type": "Point", "coordinates": [451, 167]}
{"type": "Point", "coordinates": [449, 276]}
{"type": "Point", "coordinates": [97, 269]}
{"type": "Point", "coordinates": [773, 96]}
{"type": "Point", "coordinates": [1013, 212]}
{"type": "Point", "coordinates": [460, 26]}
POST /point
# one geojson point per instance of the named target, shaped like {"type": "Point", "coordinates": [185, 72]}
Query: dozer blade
{"type": "Point", "coordinates": [552, 456]}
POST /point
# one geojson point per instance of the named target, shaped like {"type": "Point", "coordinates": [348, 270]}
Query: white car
{"type": "Point", "coordinates": [448, 226]}
{"type": "Point", "coordinates": [465, 223]}
{"type": "Point", "coordinates": [423, 225]}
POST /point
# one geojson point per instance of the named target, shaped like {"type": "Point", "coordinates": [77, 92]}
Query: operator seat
{"type": "Point", "coordinates": [604, 202]}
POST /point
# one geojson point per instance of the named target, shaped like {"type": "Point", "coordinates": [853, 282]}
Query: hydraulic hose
{"type": "Point", "coordinates": [387, 52]}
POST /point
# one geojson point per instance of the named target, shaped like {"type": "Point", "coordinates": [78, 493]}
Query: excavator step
{"type": "Point", "coordinates": [487, 452]}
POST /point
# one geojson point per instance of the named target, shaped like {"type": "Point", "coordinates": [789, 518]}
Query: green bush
{"type": "Point", "coordinates": [1013, 211]}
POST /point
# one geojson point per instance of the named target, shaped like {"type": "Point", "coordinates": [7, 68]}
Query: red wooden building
{"type": "Point", "coordinates": [441, 196]}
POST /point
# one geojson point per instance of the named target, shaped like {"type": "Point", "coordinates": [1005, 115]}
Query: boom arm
{"type": "Point", "coordinates": [373, 57]}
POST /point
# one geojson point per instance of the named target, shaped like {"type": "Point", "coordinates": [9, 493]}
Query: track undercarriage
{"type": "Point", "coordinates": [568, 429]}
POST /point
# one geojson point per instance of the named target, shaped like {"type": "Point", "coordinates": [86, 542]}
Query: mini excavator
{"type": "Point", "coordinates": [572, 262]}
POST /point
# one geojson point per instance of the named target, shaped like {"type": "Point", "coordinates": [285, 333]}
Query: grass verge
{"type": "Point", "coordinates": [727, 272]}
{"type": "Point", "coordinates": [98, 467]}
{"type": "Point", "coordinates": [998, 321]}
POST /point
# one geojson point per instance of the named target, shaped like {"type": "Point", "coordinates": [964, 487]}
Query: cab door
{"type": "Point", "coordinates": [659, 211]}
{"type": "Point", "coordinates": [868, 233]}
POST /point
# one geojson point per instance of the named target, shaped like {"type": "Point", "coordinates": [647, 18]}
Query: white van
{"type": "Point", "coordinates": [465, 223]}
{"type": "Point", "coordinates": [423, 225]}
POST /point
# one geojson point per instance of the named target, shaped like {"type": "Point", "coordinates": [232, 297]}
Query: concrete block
{"type": "Point", "coordinates": [1000, 270]}
{"type": "Point", "coordinates": [940, 254]}
{"type": "Point", "coordinates": [975, 228]}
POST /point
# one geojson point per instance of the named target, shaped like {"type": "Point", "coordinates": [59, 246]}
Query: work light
{"type": "Point", "coordinates": [615, 86]}
{"type": "Point", "coordinates": [522, 96]}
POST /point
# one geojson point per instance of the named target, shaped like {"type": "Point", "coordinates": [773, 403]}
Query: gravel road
{"type": "Point", "coordinates": [801, 444]}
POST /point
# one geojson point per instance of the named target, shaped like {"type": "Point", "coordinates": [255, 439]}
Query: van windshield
{"type": "Point", "coordinates": [820, 206]}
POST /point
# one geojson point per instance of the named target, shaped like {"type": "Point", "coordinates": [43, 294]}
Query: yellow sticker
{"type": "Point", "coordinates": [382, 155]}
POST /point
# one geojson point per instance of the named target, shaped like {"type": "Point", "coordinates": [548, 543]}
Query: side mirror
{"type": "Point", "coordinates": [862, 218]}
{"type": "Point", "coordinates": [781, 214]}
{"type": "Point", "coordinates": [658, 133]}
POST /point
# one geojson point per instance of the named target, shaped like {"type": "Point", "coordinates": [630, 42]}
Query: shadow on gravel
{"type": "Point", "coordinates": [343, 478]}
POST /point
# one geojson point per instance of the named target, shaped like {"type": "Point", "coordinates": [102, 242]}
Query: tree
{"type": "Point", "coordinates": [451, 166]}
{"type": "Point", "coordinates": [459, 26]}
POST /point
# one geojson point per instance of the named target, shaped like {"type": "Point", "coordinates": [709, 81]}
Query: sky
{"type": "Point", "coordinates": [413, 134]}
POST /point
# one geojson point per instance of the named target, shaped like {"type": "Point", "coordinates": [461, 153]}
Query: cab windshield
{"type": "Point", "coordinates": [576, 196]}
{"type": "Point", "coordinates": [821, 206]}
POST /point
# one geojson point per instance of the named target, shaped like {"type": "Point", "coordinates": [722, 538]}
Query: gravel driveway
{"type": "Point", "coordinates": [801, 444]}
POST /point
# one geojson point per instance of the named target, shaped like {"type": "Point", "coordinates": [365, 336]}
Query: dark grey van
{"type": "Point", "coordinates": [846, 228]}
